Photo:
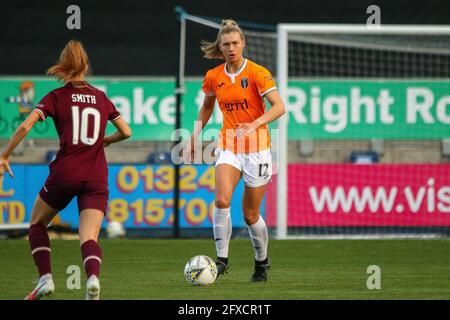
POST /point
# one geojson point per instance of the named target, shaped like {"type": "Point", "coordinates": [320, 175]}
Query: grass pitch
{"type": "Point", "coordinates": [301, 269]}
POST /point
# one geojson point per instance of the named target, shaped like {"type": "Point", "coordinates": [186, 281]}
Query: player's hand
{"type": "Point", "coordinates": [244, 129]}
{"type": "Point", "coordinates": [188, 152]}
{"type": "Point", "coordinates": [5, 167]}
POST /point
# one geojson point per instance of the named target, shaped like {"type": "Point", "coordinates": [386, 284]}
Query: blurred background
{"type": "Point", "coordinates": [139, 37]}
{"type": "Point", "coordinates": [401, 190]}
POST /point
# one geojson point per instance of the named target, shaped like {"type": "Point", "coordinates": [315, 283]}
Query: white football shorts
{"type": "Point", "coordinates": [256, 167]}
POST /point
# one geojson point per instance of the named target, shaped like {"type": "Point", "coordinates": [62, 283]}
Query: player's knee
{"type": "Point", "coordinates": [222, 202]}
{"type": "Point", "coordinates": [251, 216]}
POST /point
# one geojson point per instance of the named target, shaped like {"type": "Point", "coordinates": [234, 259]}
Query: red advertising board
{"type": "Point", "coordinates": [366, 195]}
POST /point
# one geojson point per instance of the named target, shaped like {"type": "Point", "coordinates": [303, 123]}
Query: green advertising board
{"type": "Point", "coordinates": [394, 109]}
{"type": "Point", "coordinates": [325, 109]}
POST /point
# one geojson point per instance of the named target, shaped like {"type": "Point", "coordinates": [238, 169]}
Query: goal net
{"type": "Point", "coordinates": [364, 147]}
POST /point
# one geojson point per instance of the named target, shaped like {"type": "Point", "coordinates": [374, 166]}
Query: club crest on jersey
{"type": "Point", "coordinates": [244, 83]}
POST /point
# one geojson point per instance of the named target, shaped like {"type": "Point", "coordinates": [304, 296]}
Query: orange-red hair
{"type": "Point", "coordinates": [73, 62]}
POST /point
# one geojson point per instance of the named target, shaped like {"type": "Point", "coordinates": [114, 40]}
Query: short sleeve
{"type": "Point", "coordinates": [46, 107]}
{"type": "Point", "coordinates": [264, 81]}
{"type": "Point", "coordinates": [113, 114]}
{"type": "Point", "coordinates": [207, 87]}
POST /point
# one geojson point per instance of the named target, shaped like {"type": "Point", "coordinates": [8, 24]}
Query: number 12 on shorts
{"type": "Point", "coordinates": [263, 169]}
{"type": "Point", "coordinates": [82, 126]}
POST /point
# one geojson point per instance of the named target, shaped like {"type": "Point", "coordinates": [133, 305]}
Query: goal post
{"type": "Point", "coordinates": [394, 55]}
{"type": "Point", "coordinates": [354, 94]}
{"type": "Point", "coordinates": [282, 176]}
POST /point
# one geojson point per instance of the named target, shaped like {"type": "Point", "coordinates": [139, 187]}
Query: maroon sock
{"type": "Point", "coordinates": [92, 257]}
{"type": "Point", "coordinates": [40, 248]}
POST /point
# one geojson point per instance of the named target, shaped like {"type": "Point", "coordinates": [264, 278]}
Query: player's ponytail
{"type": "Point", "coordinates": [73, 62]}
{"type": "Point", "coordinates": [211, 50]}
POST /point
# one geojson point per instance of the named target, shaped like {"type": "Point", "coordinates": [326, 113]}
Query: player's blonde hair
{"type": "Point", "coordinates": [73, 62]}
{"type": "Point", "coordinates": [211, 50]}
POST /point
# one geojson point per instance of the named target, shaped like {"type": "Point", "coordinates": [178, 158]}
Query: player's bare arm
{"type": "Point", "coordinates": [20, 133]}
{"type": "Point", "coordinates": [204, 114]}
{"type": "Point", "coordinates": [203, 117]}
{"type": "Point", "coordinates": [276, 111]}
{"type": "Point", "coordinates": [123, 132]}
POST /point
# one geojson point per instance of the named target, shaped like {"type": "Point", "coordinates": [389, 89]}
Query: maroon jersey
{"type": "Point", "coordinates": [80, 113]}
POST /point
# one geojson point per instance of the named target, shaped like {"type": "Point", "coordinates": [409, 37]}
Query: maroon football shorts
{"type": "Point", "coordinates": [90, 194]}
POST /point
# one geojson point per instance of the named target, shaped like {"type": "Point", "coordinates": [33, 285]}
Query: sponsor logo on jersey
{"type": "Point", "coordinates": [231, 107]}
{"type": "Point", "coordinates": [221, 84]}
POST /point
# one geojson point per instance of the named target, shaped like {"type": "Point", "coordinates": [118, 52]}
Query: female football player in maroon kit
{"type": "Point", "coordinates": [80, 113]}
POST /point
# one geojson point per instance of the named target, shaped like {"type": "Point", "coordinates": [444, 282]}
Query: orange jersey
{"type": "Point", "coordinates": [241, 100]}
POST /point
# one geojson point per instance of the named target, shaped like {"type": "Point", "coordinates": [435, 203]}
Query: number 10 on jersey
{"type": "Point", "coordinates": [80, 128]}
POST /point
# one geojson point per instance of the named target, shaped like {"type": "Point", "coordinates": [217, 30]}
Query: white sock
{"type": "Point", "coordinates": [260, 238]}
{"type": "Point", "coordinates": [222, 230]}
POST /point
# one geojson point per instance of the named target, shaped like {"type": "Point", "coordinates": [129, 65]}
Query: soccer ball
{"type": "Point", "coordinates": [200, 271]}
{"type": "Point", "coordinates": [115, 230]}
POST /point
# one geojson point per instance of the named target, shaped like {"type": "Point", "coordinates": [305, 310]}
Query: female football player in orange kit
{"type": "Point", "coordinates": [240, 87]}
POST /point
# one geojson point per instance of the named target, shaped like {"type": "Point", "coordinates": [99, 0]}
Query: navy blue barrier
{"type": "Point", "coordinates": [141, 196]}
